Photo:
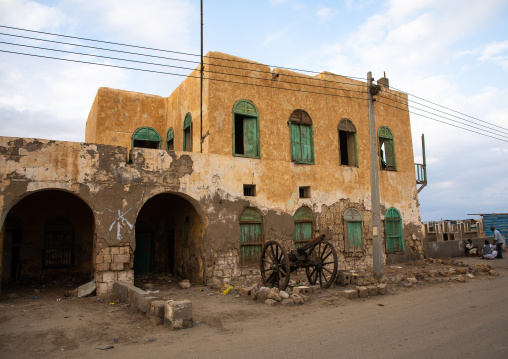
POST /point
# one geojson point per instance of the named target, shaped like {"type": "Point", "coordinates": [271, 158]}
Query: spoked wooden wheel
{"type": "Point", "coordinates": [324, 268]}
{"type": "Point", "coordinates": [275, 268]}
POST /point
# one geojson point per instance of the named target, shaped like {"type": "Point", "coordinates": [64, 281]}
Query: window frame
{"type": "Point", "coordinates": [170, 136]}
{"type": "Point", "coordinates": [250, 219]}
{"type": "Point", "coordinates": [245, 109]}
{"type": "Point", "coordinates": [187, 128]}
{"type": "Point", "coordinates": [353, 216]}
{"type": "Point", "coordinates": [302, 216]}
{"type": "Point", "coordinates": [146, 134]}
{"type": "Point", "coordinates": [298, 121]}
{"type": "Point", "coordinates": [385, 137]}
{"type": "Point", "coordinates": [347, 126]}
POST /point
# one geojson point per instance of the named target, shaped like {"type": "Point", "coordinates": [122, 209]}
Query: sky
{"type": "Point", "coordinates": [453, 53]}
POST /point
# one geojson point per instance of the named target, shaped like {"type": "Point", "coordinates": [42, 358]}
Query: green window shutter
{"type": "Point", "coordinates": [303, 233]}
{"type": "Point", "coordinates": [356, 151]}
{"type": "Point", "coordinates": [187, 133]}
{"type": "Point", "coordinates": [355, 236]}
{"type": "Point", "coordinates": [389, 155]}
{"type": "Point", "coordinates": [251, 243]}
{"type": "Point", "coordinates": [244, 107]}
{"type": "Point", "coordinates": [306, 143]}
{"type": "Point", "coordinates": [146, 135]}
{"type": "Point", "coordinates": [250, 136]}
{"type": "Point", "coordinates": [296, 148]}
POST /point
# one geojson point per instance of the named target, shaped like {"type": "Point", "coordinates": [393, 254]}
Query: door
{"type": "Point", "coordinates": [143, 253]}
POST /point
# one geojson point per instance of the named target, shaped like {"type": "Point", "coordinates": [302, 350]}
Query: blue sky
{"type": "Point", "coordinates": [454, 53]}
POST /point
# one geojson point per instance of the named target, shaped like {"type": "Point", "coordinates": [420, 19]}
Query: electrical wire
{"type": "Point", "coordinates": [450, 124]}
{"type": "Point", "coordinates": [190, 61]}
{"type": "Point", "coordinates": [169, 73]}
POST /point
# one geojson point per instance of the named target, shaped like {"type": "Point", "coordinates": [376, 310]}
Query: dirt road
{"type": "Point", "coordinates": [448, 320]}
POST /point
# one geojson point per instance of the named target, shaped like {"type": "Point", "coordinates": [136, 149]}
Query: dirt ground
{"type": "Point", "coordinates": [42, 319]}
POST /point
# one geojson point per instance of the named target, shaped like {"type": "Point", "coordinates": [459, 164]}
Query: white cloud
{"type": "Point", "coordinates": [19, 13]}
{"type": "Point", "coordinates": [325, 14]}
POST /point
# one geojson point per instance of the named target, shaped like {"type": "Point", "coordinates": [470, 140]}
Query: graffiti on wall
{"type": "Point", "coordinates": [120, 222]}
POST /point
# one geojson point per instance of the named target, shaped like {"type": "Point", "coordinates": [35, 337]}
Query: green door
{"type": "Point", "coordinates": [142, 255]}
{"type": "Point", "coordinates": [393, 231]}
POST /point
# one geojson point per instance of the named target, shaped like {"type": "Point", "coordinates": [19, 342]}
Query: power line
{"type": "Point", "coordinates": [155, 49]}
{"type": "Point", "coordinates": [173, 74]}
{"type": "Point", "coordinates": [183, 60]}
{"type": "Point", "coordinates": [449, 119]}
{"type": "Point", "coordinates": [173, 66]}
{"type": "Point", "coordinates": [450, 124]}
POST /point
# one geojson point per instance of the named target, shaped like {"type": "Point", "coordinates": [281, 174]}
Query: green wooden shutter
{"type": "Point", "coordinates": [355, 236]}
{"type": "Point", "coordinates": [251, 243]}
{"type": "Point", "coordinates": [303, 233]}
{"type": "Point", "coordinates": [296, 148]}
{"type": "Point", "coordinates": [250, 136]}
{"type": "Point", "coordinates": [389, 155]}
{"type": "Point", "coordinates": [306, 143]}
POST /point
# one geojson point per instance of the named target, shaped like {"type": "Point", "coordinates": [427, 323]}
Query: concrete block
{"type": "Point", "coordinates": [126, 276]}
{"type": "Point", "coordinates": [354, 278]}
{"type": "Point", "coordinates": [381, 289]}
{"type": "Point", "coordinates": [125, 250]}
{"type": "Point", "coordinates": [344, 278]}
{"type": "Point", "coordinates": [121, 291]}
{"type": "Point", "coordinates": [144, 303]}
{"type": "Point", "coordinates": [157, 308]}
{"type": "Point", "coordinates": [350, 294]}
{"type": "Point", "coordinates": [115, 250]}
{"type": "Point", "coordinates": [106, 258]}
{"type": "Point", "coordinates": [363, 292]}
{"type": "Point", "coordinates": [302, 290]}
{"type": "Point", "coordinates": [99, 259]}
{"type": "Point", "coordinates": [178, 314]}
{"type": "Point", "coordinates": [373, 290]}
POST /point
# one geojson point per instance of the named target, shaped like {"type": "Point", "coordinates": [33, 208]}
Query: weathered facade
{"type": "Point", "coordinates": [156, 187]}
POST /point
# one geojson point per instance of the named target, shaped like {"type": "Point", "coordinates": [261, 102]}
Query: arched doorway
{"type": "Point", "coordinates": [169, 233]}
{"type": "Point", "coordinates": [48, 234]}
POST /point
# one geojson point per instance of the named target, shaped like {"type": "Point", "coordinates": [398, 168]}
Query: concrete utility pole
{"type": "Point", "coordinates": [377, 244]}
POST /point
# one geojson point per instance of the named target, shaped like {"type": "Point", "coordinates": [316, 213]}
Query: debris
{"type": "Point", "coordinates": [184, 284]}
{"type": "Point", "coordinates": [381, 305]}
{"type": "Point", "coordinates": [86, 289]}
{"type": "Point", "coordinates": [106, 347]}
{"type": "Point", "coordinates": [229, 289]}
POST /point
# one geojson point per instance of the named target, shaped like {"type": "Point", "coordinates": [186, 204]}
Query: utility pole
{"type": "Point", "coordinates": [201, 87]}
{"type": "Point", "coordinates": [377, 244]}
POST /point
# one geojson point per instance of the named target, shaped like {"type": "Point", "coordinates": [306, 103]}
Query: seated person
{"type": "Point", "coordinates": [471, 250]}
{"type": "Point", "coordinates": [488, 251]}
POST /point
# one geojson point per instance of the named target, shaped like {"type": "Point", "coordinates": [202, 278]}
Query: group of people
{"type": "Point", "coordinates": [489, 251]}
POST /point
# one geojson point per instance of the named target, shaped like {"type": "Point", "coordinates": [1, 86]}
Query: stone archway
{"type": "Point", "coordinates": [169, 238]}
{"type": "Point", "coordinates": [48, 234]}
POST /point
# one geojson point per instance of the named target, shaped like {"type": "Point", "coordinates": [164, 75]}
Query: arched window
{"type": "Point", "coordinates": [245, 129]}
{"type": "Point", "coordinates": [146, 137]}
{"type": "Point", "coordinates": [353, 230]}
{"type": "Point", "coordinates": [347, 143]}
{"type": "Point", "coordinates": [303, 226]}
{"type": "Point", "coordinates": [393, 231]}
{"type": "Point", "coordinates": [170, 140]}
{"type": "Point", "coordinates": [251, 241]}
{"type": "Point", "coordinates": [58, 247]}
{"type": "Point", "coordinates": [386, 149]}
{"type": "Point", "coordinates": [187, 133]}
{"type": "Point", "coordinates": [302, 142]}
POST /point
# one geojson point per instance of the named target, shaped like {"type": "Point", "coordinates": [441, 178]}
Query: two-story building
{"type": "Point", "coordinates": [196, 187]}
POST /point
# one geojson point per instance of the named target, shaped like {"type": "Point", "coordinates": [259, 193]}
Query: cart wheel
{"type": "Point", "coordinates": [324, 268]}
{"type": "Point", "coordinates": [275, 268]}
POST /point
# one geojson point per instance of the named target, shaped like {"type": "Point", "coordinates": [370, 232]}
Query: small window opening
{"type": "Point", "coordinates": [171, 145]}
{"type": "Point", "coordinates": [249, 190]}
{"type": "Point", "coordinates": [304, 192]}
{"type": "Point", "coordinates": [145, 144]}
